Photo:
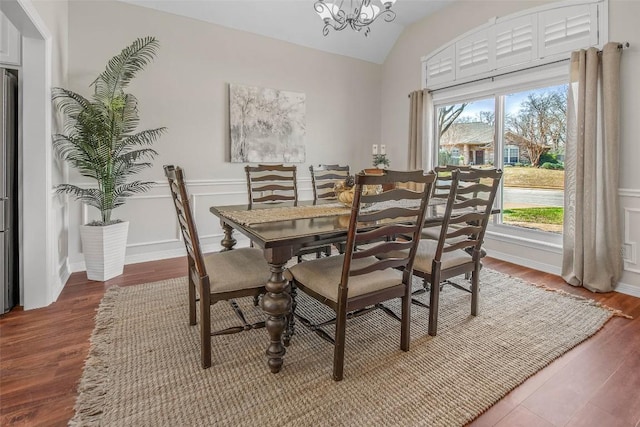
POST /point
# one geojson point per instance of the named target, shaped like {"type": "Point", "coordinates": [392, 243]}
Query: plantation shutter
{"type": "Point", "coordinates": [525, 39]}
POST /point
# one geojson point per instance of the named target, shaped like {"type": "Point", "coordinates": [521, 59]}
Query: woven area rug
{"type": "Point", "coordinates": [144, 368]}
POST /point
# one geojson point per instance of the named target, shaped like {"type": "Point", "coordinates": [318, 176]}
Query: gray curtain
{"type": "Point", "coordinates": [592, 232]}
{"type": "Point", "coordinates": [420, 128]}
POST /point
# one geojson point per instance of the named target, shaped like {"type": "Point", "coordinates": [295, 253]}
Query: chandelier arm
{"type": "Point", "coordinates": [337, 26]}
{"type": "Point", "coordinates": [340, 19]}
{"type": "Point", "coordinates": [389, 15]}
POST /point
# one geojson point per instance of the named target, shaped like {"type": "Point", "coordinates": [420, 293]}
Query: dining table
{"type": "Point", "coordinates": [281, 230]}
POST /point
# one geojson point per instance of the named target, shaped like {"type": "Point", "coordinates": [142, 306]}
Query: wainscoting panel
{"type": "Point", "coordinates": [630, 212]}
{"type": "Point", "coordinates": [154, 232]}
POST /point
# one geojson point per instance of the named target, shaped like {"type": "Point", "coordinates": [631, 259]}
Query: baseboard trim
{"type": "Point", "coordinates": [60, 281]}
{"type": "Point", "coordinates": [623, 288]}
{"type": "Point", "coordinates": [627, 289]}
{"type": "Point", "coordinates": [526, 262]}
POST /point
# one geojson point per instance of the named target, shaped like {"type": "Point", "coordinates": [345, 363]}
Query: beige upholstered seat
{"type": "Point", "coordinates": [217, 276]}
{"type": "Point", "coordinates": [358, 280]}
{"type": "Point", "coordinates": [426, 252]}
{"type": "Point", "coordinates": [323, 274]}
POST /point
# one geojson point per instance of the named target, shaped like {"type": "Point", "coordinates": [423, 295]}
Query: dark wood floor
{"type": "Point", "coordinates": [42, 353]}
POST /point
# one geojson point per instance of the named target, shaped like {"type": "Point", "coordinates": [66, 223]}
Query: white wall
{"type": "Point", "coordinates": [55, 16]}
{"type": "Point", "coordinates": [402, 74]}
{"type": "Point", "coordinates": [186, 90]}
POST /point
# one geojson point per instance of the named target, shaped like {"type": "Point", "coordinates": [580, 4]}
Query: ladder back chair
{"type": "Point", "coordinates": [458, 249]}
{"type": "Point", "coordinates": [220, 276]}
{"type": "Point", "coordinates": [323, 179]}
{"type": "Point", "coordinates": [272, 184]}
{"type": "Point", "coordinates": [441, 189]}
{"type": "Point", "coordinates": [276, 184]}
{"type": "Point", "coordinates": [358, 281]}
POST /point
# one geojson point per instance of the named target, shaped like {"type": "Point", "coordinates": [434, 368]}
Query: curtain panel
{"type": "Point", "coordinates": [420, 128]}
{"type": "Point", "coordinates": [592, 231]}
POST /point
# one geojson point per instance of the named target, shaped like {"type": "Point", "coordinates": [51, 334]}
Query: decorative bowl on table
{"type": "Point", "coordinates": [345, 190]}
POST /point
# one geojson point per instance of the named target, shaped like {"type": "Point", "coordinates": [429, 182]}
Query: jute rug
{"type": "Point", "coordinates": [144, 368]}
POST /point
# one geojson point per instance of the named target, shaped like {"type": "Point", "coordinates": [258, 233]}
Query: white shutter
{"type": "Point", "coordinates": [474, 54]}
{"type": "Point", "coordinates": [440, 67]}
{"type": "Point", "coordinates": [566, 29]}
{"type": "Point", "coordinates": [515, 41]}
{"type": "Point", "coordinates": [9, 42]}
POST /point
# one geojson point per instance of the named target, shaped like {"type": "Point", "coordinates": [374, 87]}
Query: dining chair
{"type": "Point", "coordinates": [272, 184]}
{"type": "Point", "coordinates": [358, 281]}
{"type": "Point", "coordinates": [323, 181]}
{"type": "Point", "coordinates": [458, 249]}
{"type": "Point", "coordinates": [277, 184]}
{"type": "Point", "coordinates": [324, 178]}
{"type": "Point", "coordinates": [215, 277]}
{"type": "Point", "coordinates": [440, 192]}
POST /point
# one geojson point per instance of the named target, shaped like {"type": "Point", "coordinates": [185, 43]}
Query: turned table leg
{"type": "Point", "coordinates": [276, 303]}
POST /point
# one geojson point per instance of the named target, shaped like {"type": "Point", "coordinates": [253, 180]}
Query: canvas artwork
{"type": "Point", "coordinates": [266, 125]}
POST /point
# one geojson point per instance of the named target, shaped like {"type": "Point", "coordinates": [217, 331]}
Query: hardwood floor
{"type": "Point", "coordinates": [42, 354]}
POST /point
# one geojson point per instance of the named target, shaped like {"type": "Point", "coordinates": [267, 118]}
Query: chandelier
{"type": "Point", "coordinates": [358, 15]}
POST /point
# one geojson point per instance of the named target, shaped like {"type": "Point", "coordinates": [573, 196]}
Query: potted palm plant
{"type": "Point", "coordinates": [101, 142]}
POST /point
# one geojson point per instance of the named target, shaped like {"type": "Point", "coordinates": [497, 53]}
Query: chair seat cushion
{"type": "Point", "coordinates": [323, 277]}
{"type": "Point", "coordinates": [426, 253]}
{"type": "Point", "coordinates": [243, 268]}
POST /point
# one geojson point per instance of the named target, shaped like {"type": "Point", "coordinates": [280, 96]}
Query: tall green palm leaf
{"type": "Point", "coordinates": [100, 138]}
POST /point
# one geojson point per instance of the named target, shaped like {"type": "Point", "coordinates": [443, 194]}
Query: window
{"type": "Point", "coordinates": [511, 155]}
{"type": "Point", "coordinates": [527, 125]}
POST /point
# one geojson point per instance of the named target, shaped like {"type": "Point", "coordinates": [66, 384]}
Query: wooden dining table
{"type": "Point", "coordinates": [281, 230]}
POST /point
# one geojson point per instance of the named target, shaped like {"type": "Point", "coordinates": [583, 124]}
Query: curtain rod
{"type": "Point", "coordinates": [623, 45]}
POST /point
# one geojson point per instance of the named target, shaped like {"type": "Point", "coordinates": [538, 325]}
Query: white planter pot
{"type": "Point", "coordinates": [104, 249]}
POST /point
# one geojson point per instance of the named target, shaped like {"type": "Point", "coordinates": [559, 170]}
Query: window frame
{"type": "Point", "coordinates": [498, 87]}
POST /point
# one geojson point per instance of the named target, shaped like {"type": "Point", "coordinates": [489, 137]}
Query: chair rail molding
{"type": "Point", "coordinates": [628, 192]}
{"type": "Point", "coordinates": [154, 232]}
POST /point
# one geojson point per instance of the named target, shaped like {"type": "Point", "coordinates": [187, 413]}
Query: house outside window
{"type": "Point", "coordinates": [528, 126]}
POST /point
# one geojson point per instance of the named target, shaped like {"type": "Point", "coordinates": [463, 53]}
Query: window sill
{"type": "Point", "coordinates": [539, 240]}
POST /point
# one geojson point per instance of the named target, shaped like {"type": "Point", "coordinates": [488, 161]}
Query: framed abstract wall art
{"type": "Point", "coordinates": [266, 125]}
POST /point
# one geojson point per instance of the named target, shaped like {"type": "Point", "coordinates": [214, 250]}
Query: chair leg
{"type": "Point", "coordinates": [192, 303]}
{"type": "Point", "coordinates": [291, 319]}
{"type": "Point", "coordinates": [434, 298]}
{"type": "Point", "coordinates": [205, 329]}
{"type": "Point", "coordinates": [405, 325]}
{"type": "Point", "coordinates": [475, 290]}
{"type": "Point", "coordinates": [338, 351]}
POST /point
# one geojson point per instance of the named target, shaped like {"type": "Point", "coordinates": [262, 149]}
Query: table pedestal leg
{"type": "Point", "coordinates": [228, 242]}
{"type": "Point", "coordinates": [276, 303]}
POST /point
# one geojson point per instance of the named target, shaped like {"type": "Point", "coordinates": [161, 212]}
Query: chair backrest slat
{"type": "Point", "coordinates": [324, 178]}
{"type": "Point", "coordinates": [469, 204]}
{"type": "Point", "coordinates": [185, 217]}
{"type": "Point", "coordinates": [379, 218]}
{"type": "Point", "coordinates": [271, 184]}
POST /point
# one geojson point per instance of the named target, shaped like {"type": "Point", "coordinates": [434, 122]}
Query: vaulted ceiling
{"type": "Point", "coordinates": [296, 21]}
